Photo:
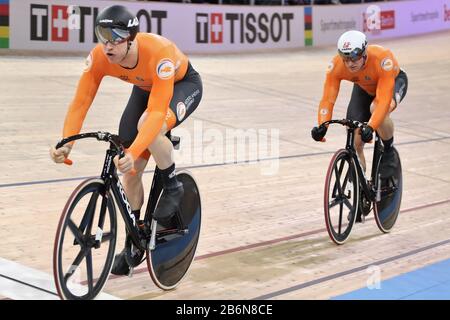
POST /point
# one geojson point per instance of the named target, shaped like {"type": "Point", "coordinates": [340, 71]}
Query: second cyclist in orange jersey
{"type": "Point", "coordinates": [166, 90]}
{"type": "Point", "coordinates": [379, 86]}
{"type": "Point", "coordinates": [376, 78]}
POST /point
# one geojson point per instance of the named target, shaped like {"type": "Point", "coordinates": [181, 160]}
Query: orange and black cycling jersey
{"type": "Point", "coordinates": [377, 78]}
{"type": "Point", "coordinates": [160, 64]}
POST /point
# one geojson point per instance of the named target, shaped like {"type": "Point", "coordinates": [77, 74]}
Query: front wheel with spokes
{"type": "Point", "coordinates": [341, 196]}
{"type": "Point", "coordinates": [85, 242]}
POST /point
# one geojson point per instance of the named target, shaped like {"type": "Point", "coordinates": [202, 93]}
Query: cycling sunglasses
{"type": "Point", "coordinates": [112, 35]}
{"type": "Point", "coordinates": [352, 59]}
{"type": "Point", "coordinates": [353, 56]}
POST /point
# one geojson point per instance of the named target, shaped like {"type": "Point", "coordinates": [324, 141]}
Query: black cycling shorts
{"type": "Point", "coordinates": [359, 105]}
{"type": "Point", "coordinates": [187, 94]}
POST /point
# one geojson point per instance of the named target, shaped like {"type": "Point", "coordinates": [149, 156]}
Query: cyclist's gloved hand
{"type": "Point", "coordinates": [366, 133]}
{"type": "Point", "coordinates": [60, 155]}
{"type": "Point", "coordinates": [317, 133]}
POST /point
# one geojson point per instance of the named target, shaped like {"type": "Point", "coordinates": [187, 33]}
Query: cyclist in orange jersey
{"type": "Point", "coordinates": [166, 91]}
{"type": "Point", "coordinates": [377, 78]}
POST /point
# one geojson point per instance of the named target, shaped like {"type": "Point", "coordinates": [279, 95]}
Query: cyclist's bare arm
{"type": "Point", "coordinates": [86, 90]}
{"type": "Point", "coordinates": [330, 93]}
{"type": "Point", "coordinates": [158, 103]}
{"type": "Point", "coordinates": [85, 94]}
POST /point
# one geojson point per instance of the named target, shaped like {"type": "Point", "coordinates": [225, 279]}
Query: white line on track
{"type": "Point", "coordinates": [19, 282]}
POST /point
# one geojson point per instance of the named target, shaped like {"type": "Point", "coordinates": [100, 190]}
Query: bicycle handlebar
{"type": "Point", "coordinates": [352, 124]}
{"type": "Point", "coordinates": [100, 136]}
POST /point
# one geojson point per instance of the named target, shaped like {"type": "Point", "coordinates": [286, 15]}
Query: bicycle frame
{"type": "Point", "coordinates": [369, 190]}
{"type": "Point", "coordinates": [362, 178]}
{"type": "Point", "coordinates": [109, 175]}
{"type": "Point", "coordinates": [112, 181]}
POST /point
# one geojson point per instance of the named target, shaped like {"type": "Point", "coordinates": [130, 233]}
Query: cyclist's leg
{"type": "Point", "coordinates": [128, 130]}
{"type": "Point", "coordinates": [401, 88]}
{"type": "Point", "coordinates": [359, 110]}
{"type": "Point", "coordinates": [186, 97]}
{"type": "Point", "coordinates": [386, 129]}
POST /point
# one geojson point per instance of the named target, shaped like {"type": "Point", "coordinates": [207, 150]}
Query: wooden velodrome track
{"type": "Point", "coordinates": [263, 236]}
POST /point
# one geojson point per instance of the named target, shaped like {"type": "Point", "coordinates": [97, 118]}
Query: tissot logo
{"type": "Point", "coordinates": [154, 20]}
{"type": "Point", "coordinates": [61, 19]}
{"type": "Point", "coordinates": [209, 28]}
{"type": "Point", "coordinates": [216, 28]}
{"type": "Point", "coordinates": [243, 28]}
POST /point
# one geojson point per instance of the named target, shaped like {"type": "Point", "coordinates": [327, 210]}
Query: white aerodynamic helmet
{"type": "Point", "coordinates": [352, 45]}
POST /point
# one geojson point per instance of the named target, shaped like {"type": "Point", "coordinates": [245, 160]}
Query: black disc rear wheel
{"type": "Point", "coordinates": [175, 250]}
{"type": "Point", "coordinates": [389, 197]}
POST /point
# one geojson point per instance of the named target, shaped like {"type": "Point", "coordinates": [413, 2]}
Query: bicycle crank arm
{"type": "Point", "coordinates": [378, 196]}
{"type": "Point", "coordinates": [152, 242]}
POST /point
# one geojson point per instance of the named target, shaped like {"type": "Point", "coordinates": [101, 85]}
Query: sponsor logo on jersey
{"type": "Point", "coordinates": [165, 69]}
{"type": "Point", "coordinates": [330, 66]}
{"type": "Point", "coordinates": [181, 111]}
{"type": "Point", "coordinates": [387, 64]}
